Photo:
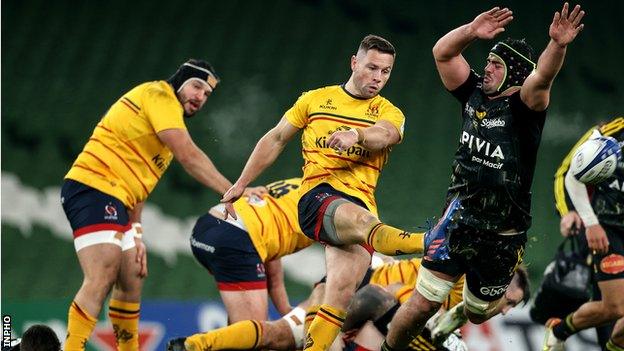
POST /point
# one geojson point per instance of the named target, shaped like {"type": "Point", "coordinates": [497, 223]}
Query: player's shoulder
{"type": "Point", "coordinates": [322, 91]}
{"type": "Point", "coordinates": [157, 89]}
{"type": "Point", "coordinates": [385, 104]}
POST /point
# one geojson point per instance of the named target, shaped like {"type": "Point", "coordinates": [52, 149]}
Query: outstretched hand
{"type": "Point", "coordinates": [490, 23]}
{"type": "Point", "coordinates": [233, 194]}
{"type": "Point", "coordinates": [565, 27]}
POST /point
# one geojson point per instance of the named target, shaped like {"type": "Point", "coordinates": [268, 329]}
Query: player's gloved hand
{"type": "Point", "coordinates": [141, 254]}
{"type": "Point", "coordinates": [570, 224]}
{"type": "Point", "coordinates": [233, 194]}
{"type": "Point", "coordinates": [597, 239]}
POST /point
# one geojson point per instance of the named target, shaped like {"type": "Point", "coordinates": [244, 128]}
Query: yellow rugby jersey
{"type": "Point", "coordinates": [405, 272]}
{"type": "Point", "coordinates": [561, 201]}
{"type": "Point", "coordinates": [354, 171]}
{"type": "Point", "coordinates": [272, 222]}
{"type": "Point", "coordinates": [124, 157]}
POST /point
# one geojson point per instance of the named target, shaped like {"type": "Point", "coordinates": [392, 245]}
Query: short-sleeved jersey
{"type": "Point", "coordinates": [495, 160]}
{"type": "Point", "coordinates": [354, 171]}
{"type": "Point", "coordinates": [124, 156]}
{"type": "Point", "coordinates": [405, 272]}
{"type": "Point", "coordinates": [272, 222]}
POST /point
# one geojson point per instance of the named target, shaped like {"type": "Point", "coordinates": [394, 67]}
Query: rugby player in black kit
{"type": "Point", "coordinates": [483, 230]}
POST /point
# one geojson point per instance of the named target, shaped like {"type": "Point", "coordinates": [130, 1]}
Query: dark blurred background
{"type": "Point", "coordinates": [64, 62]}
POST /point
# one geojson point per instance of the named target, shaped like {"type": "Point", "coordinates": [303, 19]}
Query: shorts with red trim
{"type": "Point", "coordinates": [95, 217]}
{"type": "Point", "coordinates": [227, 252]}
{"type": "Point", "coordinates": [312, 206]}
{"type": "Point", "coordinates": [610, 266]}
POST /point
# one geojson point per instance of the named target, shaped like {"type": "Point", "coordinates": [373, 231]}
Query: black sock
{"type": "Point", "coordinates": [565, 329]}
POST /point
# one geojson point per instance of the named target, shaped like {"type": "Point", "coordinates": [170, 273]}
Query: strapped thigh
{"type": "Point", "coordinates": [432, 288]}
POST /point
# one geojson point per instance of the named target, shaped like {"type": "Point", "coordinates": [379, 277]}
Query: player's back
{"type": "Point", "coordinates": [272, 221]}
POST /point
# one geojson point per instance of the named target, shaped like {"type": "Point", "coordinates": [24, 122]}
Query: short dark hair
{"type": "Point", "coordinates": [378, 43]}
{"type": "Point", "coordinates": [521, 46]}
{"type": "Point", "coordinates": [524, 282]}
{"type": "Point", "coordinates": [40, 337]}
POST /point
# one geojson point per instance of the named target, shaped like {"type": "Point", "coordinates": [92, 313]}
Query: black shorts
{"type": "Point", "coordinates": [489, 260]}
{"type": "Point", "coordinates": [228, 253]}
{"type": "Point", "coordinates": [312, 206]}
{"type": "Point", "coordinates": [610, 266]}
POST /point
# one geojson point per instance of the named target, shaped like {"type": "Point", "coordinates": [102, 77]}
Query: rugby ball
{"type": "Point", "coordinates": [595, 160]}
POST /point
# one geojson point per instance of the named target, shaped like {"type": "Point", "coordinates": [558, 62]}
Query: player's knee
{"type": "Point", "coordinates": [476, 318]}
{"type": "Point", "coordinates": [613, 310]}
{"type": "Point", "coordinates": [278, 335]}
{"type": "Point", "coordinates": [477, 310]}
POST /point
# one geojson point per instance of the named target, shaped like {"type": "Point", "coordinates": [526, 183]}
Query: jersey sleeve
{"type": "Point", "coordinates": [162, 110]}
{"type": "Point", "coordinates": [395, 116]}
{"type": "Point", "coordinates": [562, 198]}
{"type": "Point", "coordinates": [297, 115]}
{"type": "Point", "coordinates": [463, 92]}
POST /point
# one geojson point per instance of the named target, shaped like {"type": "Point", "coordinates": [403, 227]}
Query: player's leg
{"type": "Point", "coordinates": [436, 277]}
{"type": "Point", "coordinates": [98, 221]}
{"type": "Point", "coordinates": [335, 218]}
{"type": "Point", "coordinates": [227, 252]}
{"type": "Point", "coordinates": [283, 334]}
{"type": "Point", "coordinates": [610, 276]}
{"type": "Point", "coordinates": [124, 307]}
{"type": "Point", "coordinates": [346, 266]}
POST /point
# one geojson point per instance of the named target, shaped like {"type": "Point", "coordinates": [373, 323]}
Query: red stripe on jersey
{"type": "Point", "coordinates": [101, 226]}
{"type": "Point", "coordinates": [401, 273]}
{"type": "Point", "coordinates": [404, 293]}
{"type": "Point", "coordinates": [125, 163]}
{"type": "Point", "coordinates": [353, 161]}
{"type": "Point", "coordinates": [259, 285]}
{"type": "Point", "coordinates": [340, 121]}
{"type": "Point", "coordinates": [129, 106]}
{"type": "Point", "coordinates": [97, 158]}
{"type": "Point", "coordinates": [135, 152]}
{"type": "Point", "coordinates": [90, 170]}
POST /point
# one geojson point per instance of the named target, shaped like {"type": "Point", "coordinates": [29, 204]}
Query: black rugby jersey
{"type": "Point", "coordinates": [608, 197]}
{"type": "Point", "coordinates": [495, 161]}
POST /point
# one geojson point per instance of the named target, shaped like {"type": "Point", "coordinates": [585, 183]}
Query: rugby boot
{"type": "Point", "coordinates": [551, 342]}
{"type": "Point", "coordinates": [446, 324]}
{"type": "Point", "coordinates": [176, 344]}
{"type": "Point", "coordinates": [436, 238]}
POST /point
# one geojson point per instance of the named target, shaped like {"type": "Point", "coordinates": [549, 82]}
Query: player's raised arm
{"type": "Point", "coordinates": [452, 66]}
{"type": "Point", "coordinates": [535, 92]}
{"type": "Point", "coordinates": [264, 154]}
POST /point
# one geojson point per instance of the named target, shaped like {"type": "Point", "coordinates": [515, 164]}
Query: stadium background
{"type": "Point", "coordinates": [65, 62]}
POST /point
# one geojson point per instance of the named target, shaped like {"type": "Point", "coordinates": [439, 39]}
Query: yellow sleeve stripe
{"type": "Point", "coordinates": [559, 188]}
{"type": "Point", "coordinates": [612, 127]}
